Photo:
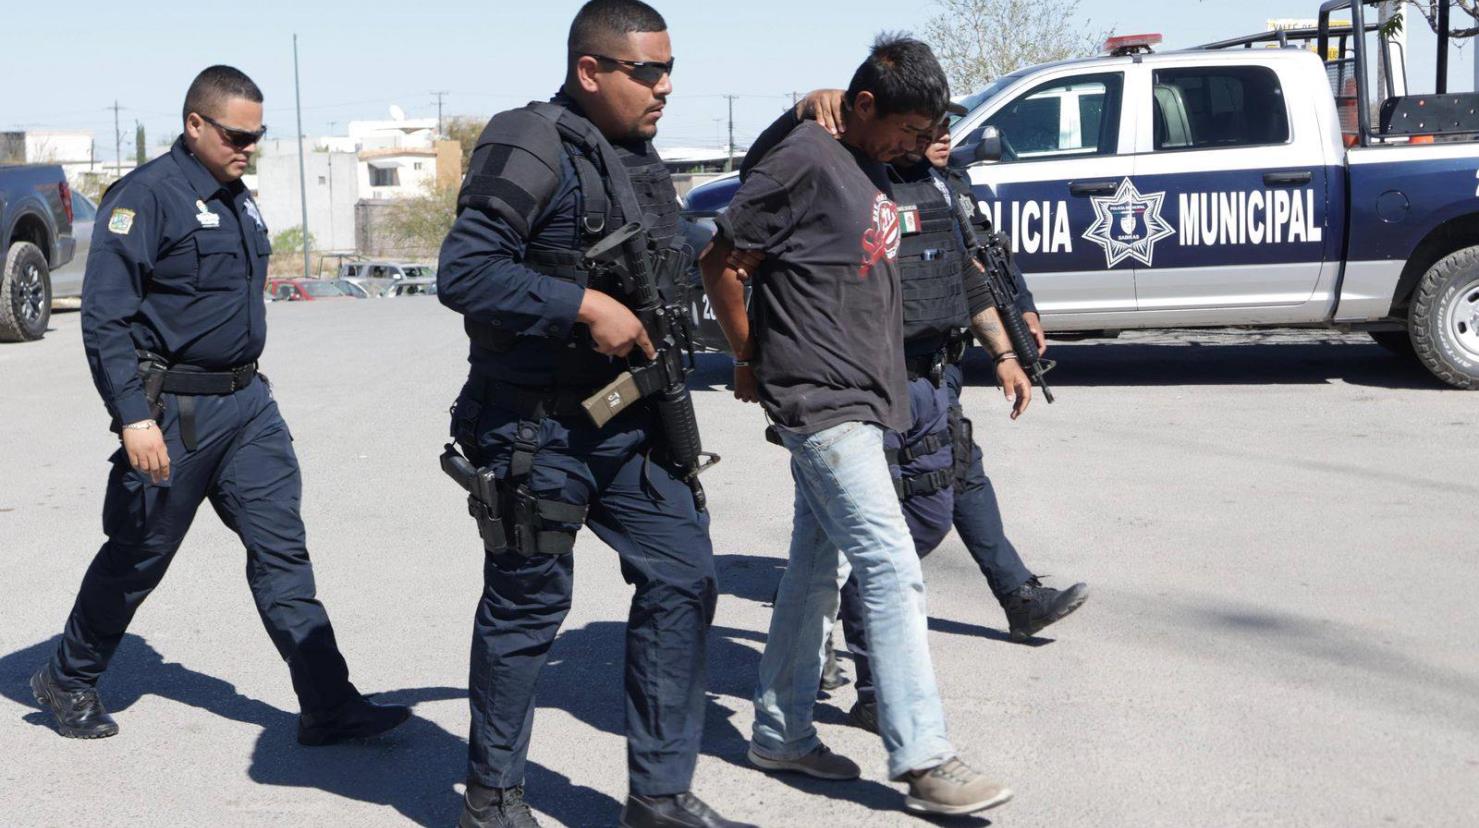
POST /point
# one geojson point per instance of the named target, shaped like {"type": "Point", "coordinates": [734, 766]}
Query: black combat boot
{"type": "Point", "coordinates": [1033, 606]}
{"type": "Point", "coordinates": [484, 807]}
{"type": "Point", "coordinates": [358, 718]}
{"type": "Point", "coordinates": [683, 810]}
{"type": "Point", "coordinates": [79, 713]}
{"type": "Point", "coordinates": [864, 714]}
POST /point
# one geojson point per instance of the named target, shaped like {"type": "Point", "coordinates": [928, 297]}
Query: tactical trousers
{"type": "Point", "coordinates": [245, 466]}
{"type": "Point", "coordinates": [972, 509]}
{"type": "Point", "coordinates": [641, 510]}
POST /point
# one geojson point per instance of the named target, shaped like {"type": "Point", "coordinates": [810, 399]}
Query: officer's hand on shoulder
{"type": "Point", "coordinates": [614, 328]}
{"type": "Point", "coordinates": [146, 450]}
{"type": "Point", "coordinates": [825, 107]}
{"type": "Point", "coordinates": [1014, 385]}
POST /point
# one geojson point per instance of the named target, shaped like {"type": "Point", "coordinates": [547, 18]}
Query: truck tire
{"type": "Point", "coordinates": [25, 294]}
{"type": "Point", "coordinates": [1445, 319]}
{"type": "Point", "coordinates": [1398, 342]}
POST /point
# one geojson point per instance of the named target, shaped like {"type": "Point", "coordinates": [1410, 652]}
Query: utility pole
{"type": "Point", "coordinates": [117, 142]}
{"type": "Point", "coordinates": [439, 96]}
{"type": "Point", "coordinates": [729, 159]}
{"type": "Point", "coordinates": [302, 169]}
{"type": "Point", "coordinates": [795, 98]}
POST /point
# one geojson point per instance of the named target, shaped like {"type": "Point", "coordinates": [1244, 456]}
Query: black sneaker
{"type": "Point", "coordinates": [495, 808]}
{"type": "Point", "coordinates": [358, 718]}
{"type": "Point", "coordinates": [1033, 606]}
{"type": "Point", "coordinates": [79, 713]}
{"type": "Point", "coordinates": [682, 810]}
{"type": "Point", "coordinates": [864, 715]}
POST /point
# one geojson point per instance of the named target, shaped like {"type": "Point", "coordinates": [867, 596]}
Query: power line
{"type": "Point", "coordinates": [439, 96]}
{"type": "Point", "coordinates": [117, 142]}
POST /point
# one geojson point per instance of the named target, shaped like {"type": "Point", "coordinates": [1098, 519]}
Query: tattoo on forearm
{"type": "Point", "coordinates": [986, 325]}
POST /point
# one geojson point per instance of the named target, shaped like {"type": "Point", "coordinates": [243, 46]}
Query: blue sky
{"type": "Point", "coordinates": [357, 60]}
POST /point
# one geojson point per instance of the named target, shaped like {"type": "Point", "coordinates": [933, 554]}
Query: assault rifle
{"type": "Point", "coordinates": [992, 255]}
{"type": "Point", "coordinates": [662, 377]}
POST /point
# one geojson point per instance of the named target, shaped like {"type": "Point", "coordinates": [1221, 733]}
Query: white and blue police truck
{"type": "Point", "coordinates": [1237, 186]}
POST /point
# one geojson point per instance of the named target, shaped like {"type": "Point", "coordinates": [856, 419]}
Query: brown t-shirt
{"type": "Point", "coordinates": [826, 310]}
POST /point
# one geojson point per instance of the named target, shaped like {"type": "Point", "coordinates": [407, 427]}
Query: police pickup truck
{"type": "Point", "coordinates": [1227, 187]}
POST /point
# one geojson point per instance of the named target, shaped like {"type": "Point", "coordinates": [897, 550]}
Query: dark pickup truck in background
{"type": "Point", "coordinates": [36, 210]}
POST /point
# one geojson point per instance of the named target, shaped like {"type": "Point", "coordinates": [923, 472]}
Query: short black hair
{"type": "Point", "coordinates": [903, 75]}
{"type": "Point", "coordinates": [214, 86]}
{"type": "Point", "coordinates": [599, 22]}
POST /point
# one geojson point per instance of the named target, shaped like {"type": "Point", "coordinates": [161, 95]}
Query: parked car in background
{"type": "Point", "coordinates": [66, 281]}
{"type": "Point", "coordinates": [35, 240]}
{"type": "Point", "coordinates": [353, 289]}
{"type": "Point", "coordinates": [306, 290]}
{"type": "Point", "coordinates": [410, 287]}
{"type": "Point", "coordinates": [386, 270]}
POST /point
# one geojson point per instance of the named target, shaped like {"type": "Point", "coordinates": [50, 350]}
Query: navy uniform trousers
{"type": "Point", "coordinates": [245, 465]}
{"type": "Point", "coordinates": [973, 510]}
{"type": "Point", "coordinates": [645, 513]}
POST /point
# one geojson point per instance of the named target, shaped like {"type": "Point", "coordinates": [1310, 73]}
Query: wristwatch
{"type": "Point", "coordinates": [141, 425]}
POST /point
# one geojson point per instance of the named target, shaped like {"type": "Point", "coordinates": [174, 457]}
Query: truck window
{"type": "Point", "coordinates": [1217, 107]}
{"type": "Point", "coordinates": [1072, 116]}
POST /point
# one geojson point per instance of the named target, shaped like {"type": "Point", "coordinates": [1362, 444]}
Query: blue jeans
{"type": "Point", "coordinates": [845, 502]}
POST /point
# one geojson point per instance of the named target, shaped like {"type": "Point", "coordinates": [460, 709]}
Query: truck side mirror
{"type": "Point", "coordinates": [990, 147]}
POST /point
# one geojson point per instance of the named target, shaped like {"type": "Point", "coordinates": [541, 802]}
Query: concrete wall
{"type": "Point", "coordinates": [333, 189]}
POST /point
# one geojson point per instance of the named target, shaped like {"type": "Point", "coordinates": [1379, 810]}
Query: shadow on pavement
{"type": "Point", "coordinates": [411, 769]}
{"type": "Point", "coordinates": [1110, 363]}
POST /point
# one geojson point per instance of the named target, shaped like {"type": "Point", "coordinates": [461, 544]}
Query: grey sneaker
{"type": "Point", "coordinates": [821, 763]}
{"type": "Point", "coordinates": [953, 788]}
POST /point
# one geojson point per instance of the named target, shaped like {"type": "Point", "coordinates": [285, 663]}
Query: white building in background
{"type": "Point", "coordinates": [333, 190]}
{"type": "Point", "coordinates": [377, 161]}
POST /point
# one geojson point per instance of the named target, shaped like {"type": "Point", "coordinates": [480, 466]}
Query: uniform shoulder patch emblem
{"type": "Point", "coordinates": [121, 221]}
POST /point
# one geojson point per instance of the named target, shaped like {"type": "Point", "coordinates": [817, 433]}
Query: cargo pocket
{"type": "Point", "coordinates": [219, 260]}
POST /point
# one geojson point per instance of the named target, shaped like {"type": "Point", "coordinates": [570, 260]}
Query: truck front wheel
{"type": "Point", "coordinates": [1445, 319]}
{"type": "Point", "coordinates": [25, 293]}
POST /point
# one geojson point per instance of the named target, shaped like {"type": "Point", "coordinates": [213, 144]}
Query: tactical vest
{"type": "Point", "coordinates": [615, 181]}
{"type": "Point", "coordinates": [931, 263]}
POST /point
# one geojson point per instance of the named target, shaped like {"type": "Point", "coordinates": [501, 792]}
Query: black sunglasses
{"type": "Point", "coordinates": [643, 71]}
{"type": "Point", "coordinates": [239, 138]}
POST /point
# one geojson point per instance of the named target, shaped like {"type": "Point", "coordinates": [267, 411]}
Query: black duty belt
{"type": "Point", "coordinates": [188, 382]}
{"type": "Point", "coordinates": [533, 402]}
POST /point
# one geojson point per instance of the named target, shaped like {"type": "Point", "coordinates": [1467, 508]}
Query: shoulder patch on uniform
{"type": "Point", "coordinates": [121, 221]}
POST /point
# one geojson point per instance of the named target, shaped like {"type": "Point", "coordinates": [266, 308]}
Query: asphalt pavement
{"type": "Point", "coordinates": [1278, 529]}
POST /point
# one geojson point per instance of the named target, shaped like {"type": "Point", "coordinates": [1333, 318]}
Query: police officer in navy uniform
{"type": "Point", "coordinates": [173, 321]}
{"type": "Point", "coordinates": [545, 183]}
{"type": "Point", "coordinates": [937, 463]}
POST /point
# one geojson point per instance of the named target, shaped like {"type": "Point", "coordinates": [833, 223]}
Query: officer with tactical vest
{"type": "Point", "coordinates": [565, 261]}
{"type": "Point", "coordinates": [937, 464]}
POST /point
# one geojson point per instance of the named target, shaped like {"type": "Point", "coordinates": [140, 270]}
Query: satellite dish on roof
{"type": "Point", "coordinates": [396, 113]}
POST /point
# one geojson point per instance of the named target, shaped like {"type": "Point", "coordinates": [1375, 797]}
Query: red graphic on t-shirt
{"type": "Point", "coordinates": [881, 241]}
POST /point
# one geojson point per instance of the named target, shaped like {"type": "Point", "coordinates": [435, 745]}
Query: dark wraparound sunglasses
{"type": "Point", "coordinates": [643, 71]}
{"type": "Point", "coordinates": [239, 138]}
